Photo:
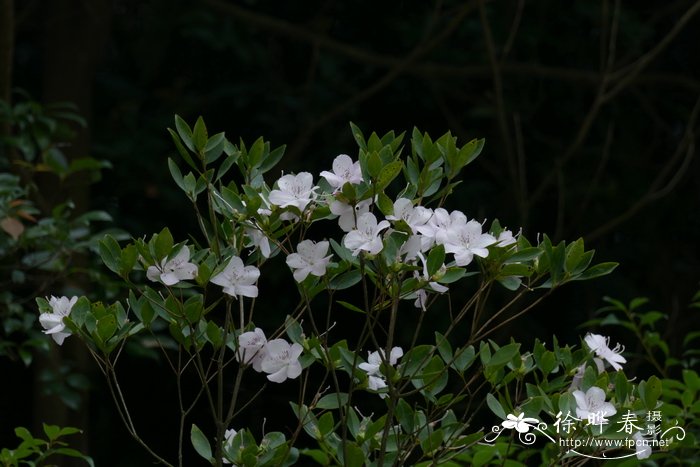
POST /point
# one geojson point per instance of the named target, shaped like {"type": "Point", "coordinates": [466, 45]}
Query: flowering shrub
{"type": "Point", "coordinates": [394, 243]}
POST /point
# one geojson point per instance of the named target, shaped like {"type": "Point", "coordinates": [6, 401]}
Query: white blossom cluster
{"type": "Point", "coordinates": [363, 234]}
{"type": "Point", "coordinates": [591, 404]}
{"type": "Point", "coordinates": [376, 380]}
{"type": "Point", "coordinates": [277, 357]}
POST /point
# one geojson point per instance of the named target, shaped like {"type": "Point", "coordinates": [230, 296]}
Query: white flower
{"type": "Point", "coordinates": [251, 348]}
{"type": "Point", "coordinates": [53, 322]}
{"type": "Point", "coordinates": [375, 379]}
{"type": "Point", "coordinates": [520, 423]}
{"type": "Point", "coordinates": [281, 360]}
{"type": "Point", "coordinates": [374, 360]}
{"type": "Point", "coordinates": [641, 446]}
{"type": "Point", "coordinates": [349, 214]}
{"type": "Point", "coordinates": [505, 238]}
{"type": "Point", "coordinates": [366, 236]}
{"type": "Point", "coordinates": [376, 383]}
{"type": "Point", "coordinates": [422, 295]}
{"type": "Point", "coordinates": [414, 216]}
{"type": "Point", "coordinates": [258, 239]}
{"type": "Point", "coordinates": [237, 279]}
{"type": "Point", "coordinates": [173, 270]}
{"type": "Point", "coordinates": [344, 171]}
{"type": "Point", "coordinates": [600, 345]}
{"type": "Point", "coordinates": [229, 434]}
{"type": "Point", "coordinates": [467, 240]}
{"type": "Point", "coordinates": [410, 248]}
{"type": "Point", "coordinates": [309, 259]}
{"type": "Point", "coordinates": [435, 230]}
{"type": "Point", "coordinates": [294, 190]}
{"type": "Point", "coordinates": [592, 403]}
{"type": "Point", "coordinates": [578, 377]}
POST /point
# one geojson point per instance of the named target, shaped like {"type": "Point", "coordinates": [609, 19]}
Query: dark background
{"type": "Point", "coordinates": [589, 110]}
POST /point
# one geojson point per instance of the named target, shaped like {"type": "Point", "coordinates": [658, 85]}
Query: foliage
{"type": "Point", "coordinates": [37, 451]}
{"type": "Point", "coordinates": [38, 242]}
{"type": "Point", "coordinates": [419, 406]}
{"type": "Point", "coordinates": [680, 383]}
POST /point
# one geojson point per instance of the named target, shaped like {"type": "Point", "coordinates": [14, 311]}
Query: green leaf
{"type": "Point", "coordinates": [556, 257]}
{"type": "Point", "coordinates": [110, 253]}
{"type": "Point", "coordinates": [349, 192]}
{"type": "Point", "coordinates": [463, 358]}
{"type": "Point", "coordinates": [272, 159]}
{"type": "Point", "coordinates": [504, 355]}
{"type": "Point", "coordinates": [199, 135]}
{"type": "Point", "coordinates": [691, 380]}
{"type": "Point", "coordinates": [317, 455]}
{"type": "Point", "coordinates": [574, 253]}
{"type": "Point", "coordinates": [436, 259]}
{"type": "Point", "coordinates": [345, 280]}
{"type": "Point", "coordinates": [510, 282]}
{"type": "Point", "coordinates": [184, 131]}
{"type": "Point", "coordinates": [176, 174]}
{"type": "Point", "coordinates": [129, 256]}
{"type": "Point", "coordinates": [470, 151]}
{"type": "Point", "coordinates": [434, 376]}
{"type": "Point", "coordinates": [495, 406]}
{"type": "Point", "coordinates": [200, 443]}
{"type": "Point", "coordinates": [325, 424]}
{"type": "Point", "coordinates": [75, 453]}
{"type": "Point", "coordinates": [332, 401]}
{"type": "Point", "coordinates": [385, 204]}
{"type": "Point", "coordinates": [163, 244]}
{"type": "Point", "coordinates": [652, 392]}
{"type": "Point", "coordinates": [359, 138]}
{"type": "Point", "coordinates": [387, 174]}
{"type": "Point", "coordinates": [23, 434]}
{"type": "Point", "coordinates": [432, 442]}
{"type": "Point", "coordinates": [374, 165]}
{"type": "Point", "coordinates": [181, 149]}
{"type": "Point", "coordinates": [106, 326]}
{"type": "Point", "coordinates": [215, 147]}
{"type": "Point", "coordinates": [355, 457]}
{"type": "Point", "coordinates": [601, 269]}
{"type": "Point", "coordinates": [621, 387]}
{"type": "Point", "coordinates": [443, 346]}
{"type": "Point", "coordinates": [525, 254]}
{"type": "Point", "coordinates": [194, 307]}
{"type": "Point", "coordinates": [255, 153]}
{"type": "Point", "coordinates": [214, 334]}
{"type": "Point", "coordinates": [350, 306]}
{"type": "Point", "coordinates": [453, 275]}
{"type": "Point", "coordinates": [52, 431]}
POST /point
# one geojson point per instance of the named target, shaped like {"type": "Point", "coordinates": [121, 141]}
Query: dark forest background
{"type": "Point", "coordinates": [589, 110]}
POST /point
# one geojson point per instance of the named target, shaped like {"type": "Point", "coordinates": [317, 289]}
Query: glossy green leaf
{"type": "Point", "coordinates": [387, 174]}
{"type": "Point", "coordinates": [495, 406]}
{"type": "Point", "coordinates": [346, 280]}
{"type": "Point", "coordinates": [601, 269]}
{"type": "Point", "coordinates": [200, 443]}
{"type": "Point", "coordinates": [332, 401]}
{"type": "Point", "coordinates": [199, 135]}
{"type": "Point", "coordinates": [504, 355]}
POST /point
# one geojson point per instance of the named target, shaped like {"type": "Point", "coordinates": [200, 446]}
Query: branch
{"type": "Point", "coordinates": [432, 69]}
{"type": "Point", "coordinates": [628, 73]}
{"type": "Point", "coordinates": [662, 184]}
{"type": "Point", "coordinates": [399, 67]}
